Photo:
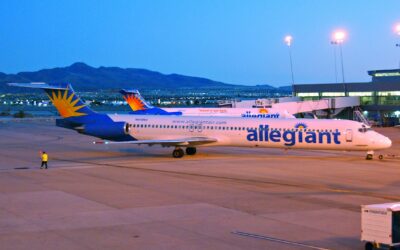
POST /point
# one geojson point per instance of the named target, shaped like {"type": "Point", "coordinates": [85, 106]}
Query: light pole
{"type": "Point", "coordinates": [288, 41]}
{"type": "Point", "coordinates": [397, 30]}
{"type": "Point", "coordinates": [334, 58]}
{"type": "Point", "coordinates": [338, 39]}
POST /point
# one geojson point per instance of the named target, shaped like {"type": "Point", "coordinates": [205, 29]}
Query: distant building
{"type": "Point", "coordinates": [380, 98]}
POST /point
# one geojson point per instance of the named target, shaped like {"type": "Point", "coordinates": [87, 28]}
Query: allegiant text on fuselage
{"type": "Point", "coordinates": [291, 137]}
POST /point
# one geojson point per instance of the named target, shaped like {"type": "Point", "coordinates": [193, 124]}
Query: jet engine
{"type": "Point", "coordinates": [116, 131]}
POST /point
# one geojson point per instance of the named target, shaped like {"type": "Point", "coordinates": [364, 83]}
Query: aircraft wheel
{"type": "Point", "coordinates": [369, 157]}
{"type": "Point", "coordinates": [369, 246]}
{"type": "Point", "coordinates": [380, 157]}
{"type": "Point", "coordinates": [178, 153]}
{"type": "Point", "coordinates": [190, 151]}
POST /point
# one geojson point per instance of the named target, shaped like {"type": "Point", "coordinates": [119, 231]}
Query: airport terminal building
{"type": "Point", "coordinates": [379, 99]}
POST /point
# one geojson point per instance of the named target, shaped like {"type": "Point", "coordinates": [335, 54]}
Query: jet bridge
{"type": "Point", "coordinates": [335, 105]}
{"type": "Point", "coordinates": [293, 105]}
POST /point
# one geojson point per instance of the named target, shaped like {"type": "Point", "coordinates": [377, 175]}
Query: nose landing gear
{"type": "Point", "coordinates": [370, 155]}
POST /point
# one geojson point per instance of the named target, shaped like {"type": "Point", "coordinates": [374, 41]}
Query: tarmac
{"type": "Point", "coordinates": [139, 197]}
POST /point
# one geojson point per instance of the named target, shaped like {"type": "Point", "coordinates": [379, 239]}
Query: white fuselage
{"type": "Point", "coordinates": [248, 132]}
{"type": "Point", "coordinates": [233, 112]}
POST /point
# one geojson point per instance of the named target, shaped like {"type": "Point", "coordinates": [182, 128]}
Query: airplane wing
{"type": "Point", "coordinates": [191, 141]}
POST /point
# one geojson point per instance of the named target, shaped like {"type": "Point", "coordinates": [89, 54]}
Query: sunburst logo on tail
{"type": "Point", "coordinates": [65, 102]}
{"type": "Point", "coordinates": [134, 102]}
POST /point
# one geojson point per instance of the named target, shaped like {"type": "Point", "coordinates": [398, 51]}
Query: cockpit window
{"type": "Point", "coordinates": [364, 129]}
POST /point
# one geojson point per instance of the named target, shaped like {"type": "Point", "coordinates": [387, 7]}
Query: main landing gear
{"type": "Point", "coordinates": [191, 151]}
{"type": "Point", "coordinates": [178, 152]}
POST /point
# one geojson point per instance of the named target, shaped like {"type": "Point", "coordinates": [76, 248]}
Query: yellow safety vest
{"type": "Point", "coordinates": [45, 157]}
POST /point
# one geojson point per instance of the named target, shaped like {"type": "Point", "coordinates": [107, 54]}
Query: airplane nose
{"type": "Point", "coordinates": [387, 142]}
{"type": "Point", "coordinates": [380, 141]}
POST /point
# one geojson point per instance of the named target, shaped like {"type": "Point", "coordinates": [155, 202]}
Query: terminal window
{"type": "Point", "coordinates": [387, 74]}
{"type": "Point", "coordinates": [333, 94]}
{"type": "Point", "coordinates": [389, 100]}
{"type": "Point", "coordinates": [308, 94]}
{"type": "Point", "coordinates": [389, 93]}
{"type": "Point", "coordinates": [360, 93]}
{"type": "Point", "coordinates": [367, 100]}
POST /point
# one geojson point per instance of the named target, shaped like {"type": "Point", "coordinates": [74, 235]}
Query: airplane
{"type": "Point", "coordinates": [194, 131]}
{"type": "Point", "coordinates": [140, 106]}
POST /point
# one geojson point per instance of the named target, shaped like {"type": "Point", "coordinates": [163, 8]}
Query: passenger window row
{"type": "Point", "coordinates": [187, 127]}
{"type": "Point", "coordinates": [222, 128]}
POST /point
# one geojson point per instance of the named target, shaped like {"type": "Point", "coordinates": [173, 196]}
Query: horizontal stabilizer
{"type": "Point", "coordinates": [135, 100]}
{"type": "Point", "coordinates": [129, 91]}
{"type": "Point", "coordinates": [39, 85]}
{"type": "Point", "coordinates": [63, 98]}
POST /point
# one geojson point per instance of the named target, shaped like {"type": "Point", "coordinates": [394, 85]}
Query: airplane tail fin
{"type": "Point", "coordinates": [63, 98]}
{"type": "Point", "coordinates": [135, 100]}
{"type": "Point", "coordinates": [78, 116]}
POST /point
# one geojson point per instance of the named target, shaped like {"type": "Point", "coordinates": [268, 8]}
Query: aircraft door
{"type": "Point", "coordinates": [191, 127]}
{"type": "Point", "coordinates": [349, 135]}
{"type": "Point", "coordinates": [199, 127]}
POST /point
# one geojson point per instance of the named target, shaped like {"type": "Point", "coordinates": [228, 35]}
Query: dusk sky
{"type": "Point", "coordinates": [231, 41]}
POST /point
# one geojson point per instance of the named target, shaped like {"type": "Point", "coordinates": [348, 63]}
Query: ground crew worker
{"type": "Point", "coordinates": [45, 158]}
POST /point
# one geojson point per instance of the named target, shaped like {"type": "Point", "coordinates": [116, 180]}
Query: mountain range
{"type": "Point", "coordinates": [87, 78]}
